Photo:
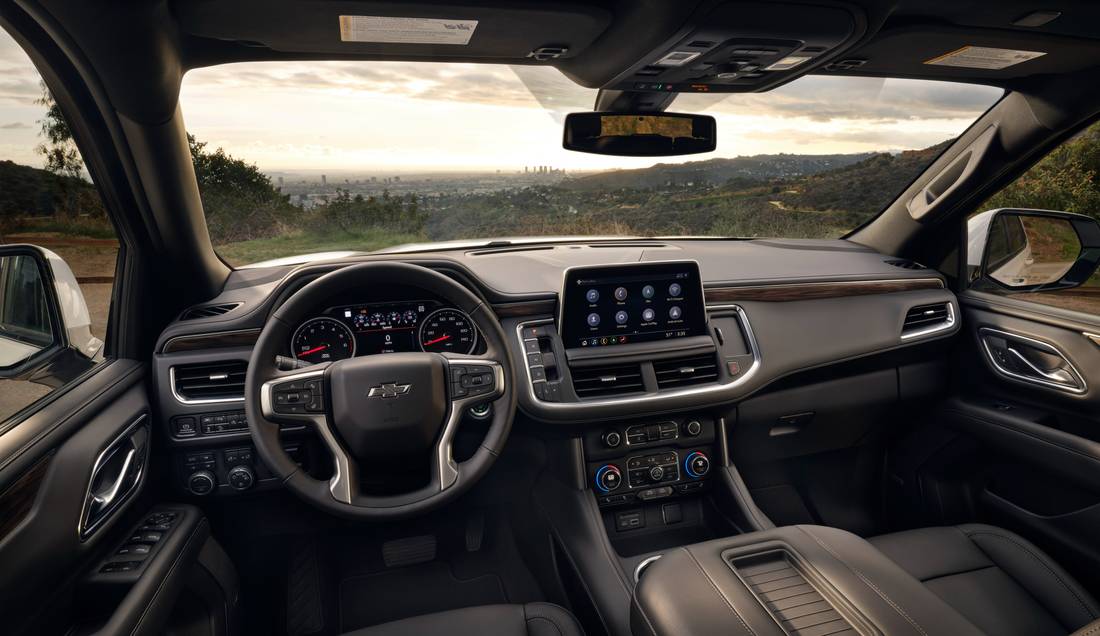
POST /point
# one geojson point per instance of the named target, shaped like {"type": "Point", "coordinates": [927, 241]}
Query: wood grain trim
{"type": "Point", "coordinates": [216, 340]}
{"type": "Point", "coordinates": [17, 500]}
{"type": "Point", "coordinates": [813, 291]}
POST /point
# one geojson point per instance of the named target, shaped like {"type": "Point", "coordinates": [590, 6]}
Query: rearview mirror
{"type": "Point", "coordinates": [44, 325]}
{"type": "Point", "coordinates": [1031, 250]}
{"type": "Point", "coordinates": [647, 134]}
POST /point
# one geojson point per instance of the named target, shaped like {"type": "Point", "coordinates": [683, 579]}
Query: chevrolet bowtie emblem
{"type": "Point", "coordinates": [389, 390]}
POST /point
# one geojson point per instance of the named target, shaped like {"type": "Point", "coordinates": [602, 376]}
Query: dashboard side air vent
{"type": "Point", "coordinates": [685, 371]}
{"type": "Point", "coordinates": [611, 380]}
{"type": "Point", "coordinates": [922, 318]}
{"type": "Point", "coordinates": [211, 381]}
{"type": "Point", "coordinates": [905, 263]}
{"type": "Point", "coordinates": [208, 311]}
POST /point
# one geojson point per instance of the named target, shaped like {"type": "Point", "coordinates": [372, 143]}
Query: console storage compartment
{"type": "Point", "coordinates": [790, 580]}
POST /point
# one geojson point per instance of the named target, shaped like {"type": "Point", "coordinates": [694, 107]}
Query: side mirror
{"type": "Point", "coordinates": [1031, 250]}
{"type": "Point", "coordinates": [645, 134]}
{"type": "Point", "coordinates": [45, 331]}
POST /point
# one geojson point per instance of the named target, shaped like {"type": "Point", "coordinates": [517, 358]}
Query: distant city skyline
{"type": "Point", "coordinates": [398, 118]}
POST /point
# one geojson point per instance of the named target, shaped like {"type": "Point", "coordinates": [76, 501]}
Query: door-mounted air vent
{"type": "Point", "coordinates": [220, 381]}
{"type": "Point", "coordinates": [611, 380]}
{"type": "Point", "coordinates": [924, 319]}
{"type": "Point", "coordinates": [208, 311]}
{"type": "Point", "coordinates": [686, 371]}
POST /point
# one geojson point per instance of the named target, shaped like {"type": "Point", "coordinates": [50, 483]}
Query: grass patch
{"type": "Point", "coordinates": [245, 252]}
{"type": "Point", "coordinates": [80, 227]}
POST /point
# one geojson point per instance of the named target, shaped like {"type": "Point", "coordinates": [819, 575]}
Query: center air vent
{"type": "Point", "coordinates": [208, 311]}
{"type": "Point", "coordinates": [922, 318]}
{"type": "Point", "coordinates": [686, 371]}
{"type": "Point", "coordinates": [214, 381]}
{"type": "Point", "coordinates": [612, 380]}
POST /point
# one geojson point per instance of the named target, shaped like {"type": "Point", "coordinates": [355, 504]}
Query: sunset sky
{"type": "Point", "coordinates": [405, 117]}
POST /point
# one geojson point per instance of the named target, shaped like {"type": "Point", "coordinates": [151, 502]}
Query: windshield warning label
{"type": "Point", "coordinates": [984, 57]}
{"type": "Point", "coordinates": [373, 28]}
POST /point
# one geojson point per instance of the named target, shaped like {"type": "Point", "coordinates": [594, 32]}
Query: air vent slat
{"type": "Point", "coordinates": [686, 371]}
{"type": "Point", "coordinates": [610, 380]}
{"type": "Point", "coordinates": [924, 316]}
{"type": "Point", "coordinates": [208, 311]}
{"type": "Point", "coordinates": [210, 381]}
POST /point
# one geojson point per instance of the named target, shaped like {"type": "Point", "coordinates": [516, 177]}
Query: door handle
{"type": "Point", "coordinates": [1053, 375]}
{"type": "Point", "coordinates": [116, 475]}
{"type": "Point", "coordinates": [104, 498]}
{"type": "Point", "coordinates": [1014, 356]}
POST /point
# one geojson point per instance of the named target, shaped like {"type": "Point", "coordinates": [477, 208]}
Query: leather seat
{"type": "Point", "coordinates": [998, 580]}
{"type": "Point", "coordinates": [532, 619]}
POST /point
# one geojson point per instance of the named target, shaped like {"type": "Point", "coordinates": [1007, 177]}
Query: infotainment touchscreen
{"type": "Point", "coordinates": [616, 305]}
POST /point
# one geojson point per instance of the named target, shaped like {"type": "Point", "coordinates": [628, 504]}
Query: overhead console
{"type": "Point", "coordinates": [743, 47]}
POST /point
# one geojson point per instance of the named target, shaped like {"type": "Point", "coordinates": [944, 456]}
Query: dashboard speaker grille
{"type": "Point", "coordinates": [685, 371]}
{"type": "Point", "coordinates": [924, 316]}
{"type": "Point", "coordinates": [610, 380]}
{"type": "Point", "coordinates": [222, 380]}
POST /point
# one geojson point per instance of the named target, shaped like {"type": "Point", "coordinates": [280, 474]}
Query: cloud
{"type": "Point", "coordinates": [15, 125]}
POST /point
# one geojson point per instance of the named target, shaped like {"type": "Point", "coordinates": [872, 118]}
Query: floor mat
{"type": "Point", "coordinates": [395, 594]}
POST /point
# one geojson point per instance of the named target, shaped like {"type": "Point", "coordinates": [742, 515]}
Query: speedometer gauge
{"type": "Point", "coordinates": [448, 331]}
{"type": "Point", "coordinates": [322, 340]}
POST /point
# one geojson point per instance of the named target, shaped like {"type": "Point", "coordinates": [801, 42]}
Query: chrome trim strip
{"type": "Point", "coordinates": [642, 566]}
{"type": "Point", "coordinates": [658, 397]}
{"type": "Point", "coordinates": [926, 331]}
{"type": "Point", "coordinates": [183, 400]}
{"type": "Point", "coordinates": [85, 530]}
{"type": "Point", "coordinates": [1038, 344]}
{"type": "Point", "coordinates": [1093, 337]}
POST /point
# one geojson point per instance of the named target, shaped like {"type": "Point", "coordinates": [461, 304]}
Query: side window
{"type": "Point", "coordinates": [55, 293]}
{"type": "Point", "coordinates": [1035, 253]}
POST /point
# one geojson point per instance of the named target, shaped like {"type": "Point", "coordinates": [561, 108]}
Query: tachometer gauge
{"type": "Point", "coordinates": [448, 331]}
{"type": "Point", "coordinates": [322, 340]}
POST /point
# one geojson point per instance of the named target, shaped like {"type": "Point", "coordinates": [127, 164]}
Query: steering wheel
{"type": "Point", "coordinates": [373, 407]}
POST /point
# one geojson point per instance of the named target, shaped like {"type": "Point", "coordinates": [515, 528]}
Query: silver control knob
{"type": "Point", "coordinates": [240, 478]}
{"type": "Point", "coordinates": [201, 482]}
{"type": "Point", "coordinates": [612, 439]}
{"type": "Point", "coordinates": [693, 428]}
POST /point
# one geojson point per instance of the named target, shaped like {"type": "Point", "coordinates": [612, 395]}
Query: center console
{"type": "Point", "coordinates": [786, 581]}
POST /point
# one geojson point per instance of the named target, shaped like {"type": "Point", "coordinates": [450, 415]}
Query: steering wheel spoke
{"type": "Point", "coordinates": [300, 397]}
{"type": "Point", "coordinates": [470, 381]}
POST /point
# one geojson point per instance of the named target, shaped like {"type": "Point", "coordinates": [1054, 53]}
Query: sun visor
{"type": "Point", "coordinates": [976, 55]}
{"type": "Point", "coordinates": [514, 33]}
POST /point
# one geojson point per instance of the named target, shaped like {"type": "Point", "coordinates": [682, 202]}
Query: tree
{"type": "Point", "coordinates": [63, 161]}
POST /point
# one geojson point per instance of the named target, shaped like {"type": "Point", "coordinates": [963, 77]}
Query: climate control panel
{"type": "Point", "coordinates": [641, 461]}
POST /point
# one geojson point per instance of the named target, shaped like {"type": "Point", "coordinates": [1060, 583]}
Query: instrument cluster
{"type": "Point", "coordinates": [366, 329]}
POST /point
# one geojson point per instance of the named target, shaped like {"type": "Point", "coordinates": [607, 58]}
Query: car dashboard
{"type": "Point", "coordinates": [608, 360]}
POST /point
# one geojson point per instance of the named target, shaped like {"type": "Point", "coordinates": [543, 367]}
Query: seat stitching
{"type": "Point", "coordinates": [1041, 561]}
{"type": "Point", "coordinates": [543, 618]}
{"type": "Point", "coordinates": [866, 580]}
{"type": "Point", "coordinates": [1095, 629]}
{"type": "Point", "coordinates": [719, 592]}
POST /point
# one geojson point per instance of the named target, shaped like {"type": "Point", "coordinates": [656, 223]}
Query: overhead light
{"type": "Point", "coordinates": [788, 63]}
{"type": "Point", "coordinates": [1037, 19]}
{"type": "Point", "coordinates": [677, 58]}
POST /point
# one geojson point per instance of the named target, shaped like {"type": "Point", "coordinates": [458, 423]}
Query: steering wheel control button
{"type": "Point", "coordinates": [697, 465]}
{"type": "Point", "coordinates": [612, 439]}
{"type": "Point", "coordinates": [693, 428]}
{"type": "Point", "coordinates": [609, 478]}
{"type": "Point", "coordinates": [298, 397]}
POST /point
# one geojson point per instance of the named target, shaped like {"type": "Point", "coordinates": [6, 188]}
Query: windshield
{"type": "Point", "coordinates": [297, 158]}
